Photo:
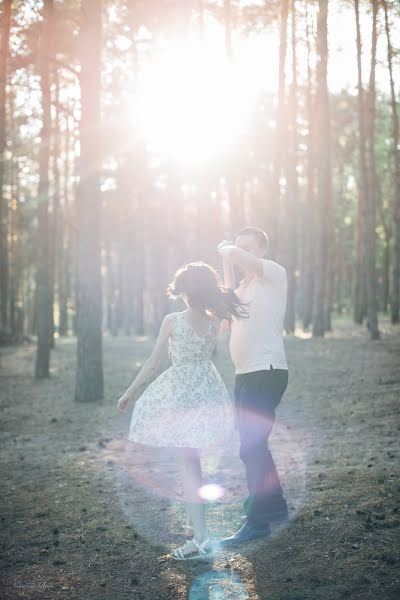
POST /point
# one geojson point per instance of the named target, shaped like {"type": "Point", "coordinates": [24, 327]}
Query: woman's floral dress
{"type": "Point", "coordinates": [188, 405]}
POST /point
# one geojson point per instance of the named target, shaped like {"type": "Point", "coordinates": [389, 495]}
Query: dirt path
{"type": "Point", "coordinates": [87, 515]}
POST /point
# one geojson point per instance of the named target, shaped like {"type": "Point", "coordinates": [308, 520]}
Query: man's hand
{"type": "Point", "coordinates": [224, 243]}
{"type": "Point", "coordinates": [225, 248]}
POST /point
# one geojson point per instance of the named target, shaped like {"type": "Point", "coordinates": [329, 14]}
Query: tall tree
{"type": "Point", "coordinates": [308, 225]}
{"type": "Point", "coordinates": [274, 184]}
{"type": "Point", "coordinates": [55, 230]}
{"type": "Point", "coordinates": [44, 305]}
{"type": "Point", "coordinates": [292, 191]}
{"type": "Point", "coordinates": [359, 298]}
{"type": "Point", "coordinates": [65, 237]}
{"type": "Point", "coordinates": [370, 210]}
{"type": "Point", "coordinates": [228, 29]}
{"type": "Point", "coordinates": [323, 165]}
{"type": "Point", "coordinates": [4, 56]}
{"type": "Point", "coordinates": [89, 385]}
{"type": "Point", "coordinates": [395, 278]}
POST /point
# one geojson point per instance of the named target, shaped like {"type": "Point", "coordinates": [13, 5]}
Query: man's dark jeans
{"type": "Point", "coordinates": [257, 395]}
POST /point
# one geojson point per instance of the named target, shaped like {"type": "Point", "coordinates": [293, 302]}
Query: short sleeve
{"type": "Point", "coordinates": [272, 271]}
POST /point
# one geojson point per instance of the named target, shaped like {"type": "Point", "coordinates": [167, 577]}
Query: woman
{"type": "Point", "coordinates": [188, 406]}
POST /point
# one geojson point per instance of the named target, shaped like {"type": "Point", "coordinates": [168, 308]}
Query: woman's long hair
{"type": "Point", "coordinates": [204, 291]}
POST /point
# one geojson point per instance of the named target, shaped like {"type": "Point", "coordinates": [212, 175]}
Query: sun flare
{"type": "Point", "coordinates": [192, 104]}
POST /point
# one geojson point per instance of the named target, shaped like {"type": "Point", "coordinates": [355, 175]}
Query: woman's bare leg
{"type": "Point", "coordinates": [189, 459]}
{"type": "Point", "coordinates": [188, 523]}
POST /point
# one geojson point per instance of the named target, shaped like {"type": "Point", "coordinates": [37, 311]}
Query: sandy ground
{"type": "Point", "coordinates": [86, 514]}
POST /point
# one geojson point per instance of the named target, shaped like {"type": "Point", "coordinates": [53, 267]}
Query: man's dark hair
{"type": "Point", "coordinates": [261, 236]}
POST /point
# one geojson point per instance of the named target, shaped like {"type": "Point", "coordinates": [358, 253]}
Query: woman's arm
{"type": "Point", "coordinates": [152, 363]}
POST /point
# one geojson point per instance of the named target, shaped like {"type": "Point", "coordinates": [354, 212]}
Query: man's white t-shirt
{"type": "Point", "coordinates": [257, 342]}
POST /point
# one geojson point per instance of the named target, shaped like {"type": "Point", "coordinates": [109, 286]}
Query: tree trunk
{"type": "Point", "coordinates": [370, 212]}
{"type": "Point", "coordinates": [228, 29]}
{"type": "Point", "coordinates": [360, 273]}
{"type": "Point", "coordinates": [383, 284]}
{"type": "Point", "coordinates": [64, 255]}
{"type": "Point", "coordinates": [292, 192]}
{"type": "Point", "coordinates": [309, 221]}
{"type": "Point", "coordinates": [139, 257]}
{"type": "Point", "coordinates": [55, 229]}
{"type": "Point", "coordinates": [274, 187]}
{"type": "Point", "coordinates": [43, 260]}
{"type": "Point", "coordinates": [14, 273]}
{"type": "Point", "coordinates": [323, 164]}
{"type": "Point", "coordinates": [4, 54]}
{"type": "Point", "coordinates": [89, 374]}
{"type": "Point", "coordinates": [395, 275]}
{"type": "Point", "coordinates": [126, 247]}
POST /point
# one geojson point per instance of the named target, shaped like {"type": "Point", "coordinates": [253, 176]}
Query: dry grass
{"type": "Point", "coordinates": [87, 515]}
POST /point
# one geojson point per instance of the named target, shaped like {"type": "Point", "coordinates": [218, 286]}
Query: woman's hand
{"type": "Point", "coordinates": [123, 402]}
{"type": "Point", "coordinates": [224, 327]}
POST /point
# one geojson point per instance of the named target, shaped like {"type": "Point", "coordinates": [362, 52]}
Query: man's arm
{"type": "Point", "coordinates": [229, 276]}
{"type": "Point", "coordinates": [262, 267]}
{"type": "Point", "coordinates": [246, 260]}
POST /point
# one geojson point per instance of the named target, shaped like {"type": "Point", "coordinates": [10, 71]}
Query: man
{"type": "Point", "coordinates": [257, 351]}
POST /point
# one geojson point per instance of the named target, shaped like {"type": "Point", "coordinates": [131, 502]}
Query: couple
{"type": "Point", "coordinates": [188, 406]}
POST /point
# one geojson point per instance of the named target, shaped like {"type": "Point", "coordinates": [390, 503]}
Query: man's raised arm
{"type": "Point", "coordinates": [238, 256]}
{"type": "Point", "coordinates": [229, 276]}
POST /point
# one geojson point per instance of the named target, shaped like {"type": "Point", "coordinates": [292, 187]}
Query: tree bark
{"type": "Point", "coordinates": [4, 56]}
{"type": "Point", "coordinates": [309, 220]}
{"type": "Point", "coordinates": [292, 192]}
{"type": "Point", "coordinates": [370, 212]}
{"type": "Point", "coordinates": [274, 187]}
{"type": "Point", "coordinates": [323, 163]}
{"type": "Point", "coordinates": [43, 259]}
{"type": "Point", "coordinates": [64, 254]}
{"type": "Point", "coordinates": [56, 232]}
{"type": "Point", "coordinates": [89, 385]}
{"type": "Point", "coordinates": [359, 304]}
{"type": "Point", "coordinates": [395, 273]}
{"type": "Point", "coordinates": [228, 29]}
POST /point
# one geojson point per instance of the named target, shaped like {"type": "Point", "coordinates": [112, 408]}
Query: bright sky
{"type": "Point", "coordinates": [192, 104]}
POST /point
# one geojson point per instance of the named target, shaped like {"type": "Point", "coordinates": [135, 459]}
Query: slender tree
{"type": "Point", "coordinates": [228, 28]}
{"type": "Point", "coordinates": [395, 275]}
{"type": "Point", "coordinates": [55, 230]}
{"type": "Point", "coordinates": [292, 192]}
{"type": "Point", "coordinates": [44, 305]}
{"type": "Point", "coordinates": [308, 224]}
{"type": "Point", "coordinates": [323, 165]}
{"type": "Point", "coordinates": [370, 211]}
{"type": "Point", "coordinates": [274, 184]}
{"type": "Point", "coordinates": [4, 57]}
{"type": "Point", "coordinates": [89, 385]}
{"type": "Point", "coordinates": [63, 263]}
{"type": "Point", "coordinates": [359, 266]}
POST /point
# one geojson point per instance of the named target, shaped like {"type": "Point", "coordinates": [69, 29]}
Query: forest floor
{"type": "Point", "coordinates": [87, 514]}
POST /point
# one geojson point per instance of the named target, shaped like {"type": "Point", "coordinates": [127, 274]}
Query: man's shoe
{"type": "Point", "coordinates": [245, 534]}
{"type": "Point", "coordinates": [279, 518]}
{"type": "Point", "coordinates": [275, 518]}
